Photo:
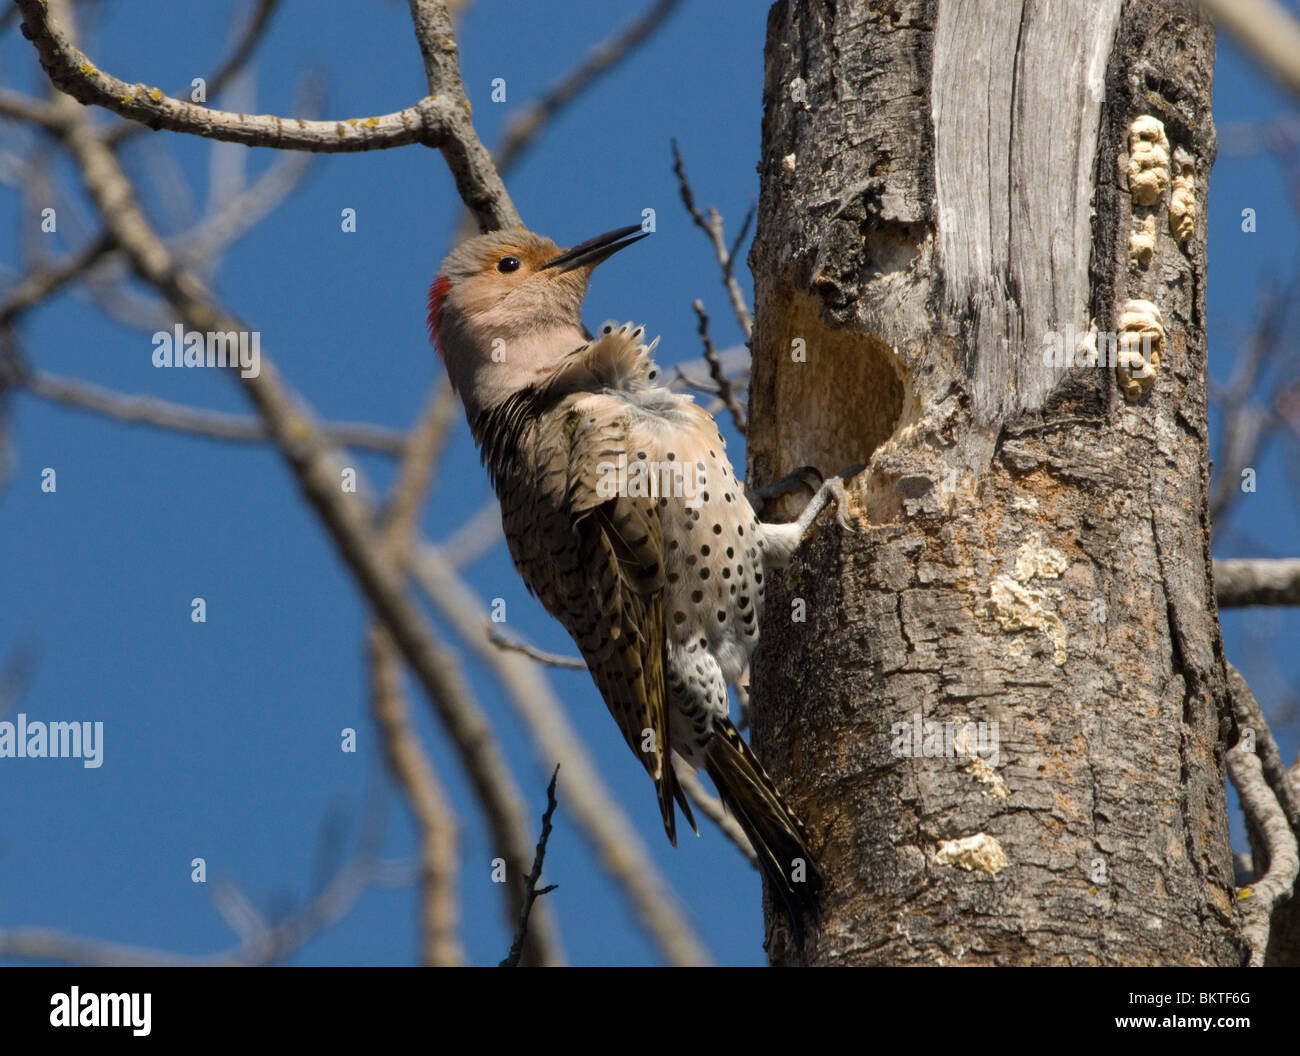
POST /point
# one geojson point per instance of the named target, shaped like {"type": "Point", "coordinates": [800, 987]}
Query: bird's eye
{"type": "Point", "coordinates": [508, 264]}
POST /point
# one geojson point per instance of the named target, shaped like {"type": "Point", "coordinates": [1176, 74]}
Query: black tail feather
{"type": "Point", "coordinates": [778, 837]}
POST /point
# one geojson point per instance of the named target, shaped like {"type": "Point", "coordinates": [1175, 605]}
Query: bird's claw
{"type": "Point", "coordinates": [843, 507]}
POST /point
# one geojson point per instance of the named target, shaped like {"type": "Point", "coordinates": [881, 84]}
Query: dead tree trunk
{"type": "Point", "coordinates": [950, 194]}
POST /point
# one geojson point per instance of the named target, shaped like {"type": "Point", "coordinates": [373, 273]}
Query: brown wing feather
{"type": "Point", "coordinates": [613, 608]}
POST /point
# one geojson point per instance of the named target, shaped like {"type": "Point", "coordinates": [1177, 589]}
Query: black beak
{"type": "Point", "coordinates": [594, 250]}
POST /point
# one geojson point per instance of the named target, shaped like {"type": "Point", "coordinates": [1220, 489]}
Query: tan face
{"type": "Point", "coordinates": [497, 284]}
{"type": "Point", "coordinates": [506, 308]}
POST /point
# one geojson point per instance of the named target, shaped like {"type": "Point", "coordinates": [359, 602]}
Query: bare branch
{"type": "Point", "coordinates": [261, 946]}
{"type": "Point", "coordinates": [501, 641]}
{"type": "Point", "coordinates": [202, 245]}
{"type": "Point", "coordinates": [415, 474]}
{"type": "Point", "coordinates": [711, 807]}
{"type": "Point", "coordinates": [45, 282]}
{"type": "Point", "coordinates": [1267, 30]}
{"type": "Point", "coordinates": [1258, 901]}
{"type": "Point", "coordinates": [1250, 717]}
{"type": "Point", "coordinates": [407, 761]}
{"type": "Point", "coordinates": [246, 43]}
{"type": "Point", "coordinates": [25, 108]}
{"type": "Point", "coordinates": [1272, 810]}
{"type": "Point", "coordinates": [528, 123]}
{"type": "Point", "coordinates": [712, 227]}
{"type": "Point", "coordinates": [315, 464]}
{"type": "Point", "coordinates": [475, 537]}
{"type": "Point", "coordinates": [477, 181]}
{"type": "Point", "coordinates": [534, 892]}
{"type": "Point", "coordinates": [1246, 427]}
{"type": "Point", "coordinates": [617, 844]}
{"type": "Point", "coordinates": [1242, 582]}
{"type": "Point", "coordinates": [428, 800]}
{"type": "Point", "coordinates": [436, 122]}
{"type": "Point", "coordinates": [725, 392]}
{"type": "Point", "coordinates": [163, 414]}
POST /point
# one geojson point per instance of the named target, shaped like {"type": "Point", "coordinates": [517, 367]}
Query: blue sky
{"type": "Point", "coordinates": [222, 739]}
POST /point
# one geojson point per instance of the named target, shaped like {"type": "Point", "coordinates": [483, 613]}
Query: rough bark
{"type": "Point", "coordinates": [944, 186]}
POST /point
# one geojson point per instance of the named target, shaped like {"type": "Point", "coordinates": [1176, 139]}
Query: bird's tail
{"type": "Point", "coordinates": [778, 836]}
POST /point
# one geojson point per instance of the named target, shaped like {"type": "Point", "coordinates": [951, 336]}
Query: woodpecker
{"type": "Point", "coordinates": [624, 517]}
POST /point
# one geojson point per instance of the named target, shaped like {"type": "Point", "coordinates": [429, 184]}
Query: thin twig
{"type": "Point", "coordinates": [502, 641]}
{"type": "Point", "coordinates": [725, 392]}
{"type": "Point", "coordinates": [617, 844]}
{"type": "Point", "coordinates": [527, 125]}
{"type": "Point", "coordinates": [245, 44]}
{"type": "Point", "coordinates": [1246, 428]}
{"type": "Point", "coordinates": [261, 945]}
{"type": "Point", "coordinates": [713, 229]}
{"type": "Point", "coordinates": [534, 875]}
{"type": "Point", "coordinates": [711, 807]}
{"type": "Point", "coordinates": [47, 281]}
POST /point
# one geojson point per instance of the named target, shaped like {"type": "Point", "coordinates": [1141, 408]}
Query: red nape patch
{"type": "Point", "coordinates": [437, 295]}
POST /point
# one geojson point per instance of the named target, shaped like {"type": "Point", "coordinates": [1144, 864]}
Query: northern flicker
{"type": "Point", "coordinates": [625, 518]}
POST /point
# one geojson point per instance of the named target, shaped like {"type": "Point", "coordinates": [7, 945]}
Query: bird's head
{"type": "Point", "coordinates": [506, 306]}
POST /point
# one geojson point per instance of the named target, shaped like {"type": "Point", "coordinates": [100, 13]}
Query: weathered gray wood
{"type": "Point", "coordinates": [942, 185]}
{"type": "Point", "coordinates": [1016, 101]}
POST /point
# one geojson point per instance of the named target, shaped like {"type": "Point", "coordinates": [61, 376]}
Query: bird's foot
{"type": "Point", "coordinates": [807, 478]}
{"type": "Point", "coordinates": [831, 489]}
